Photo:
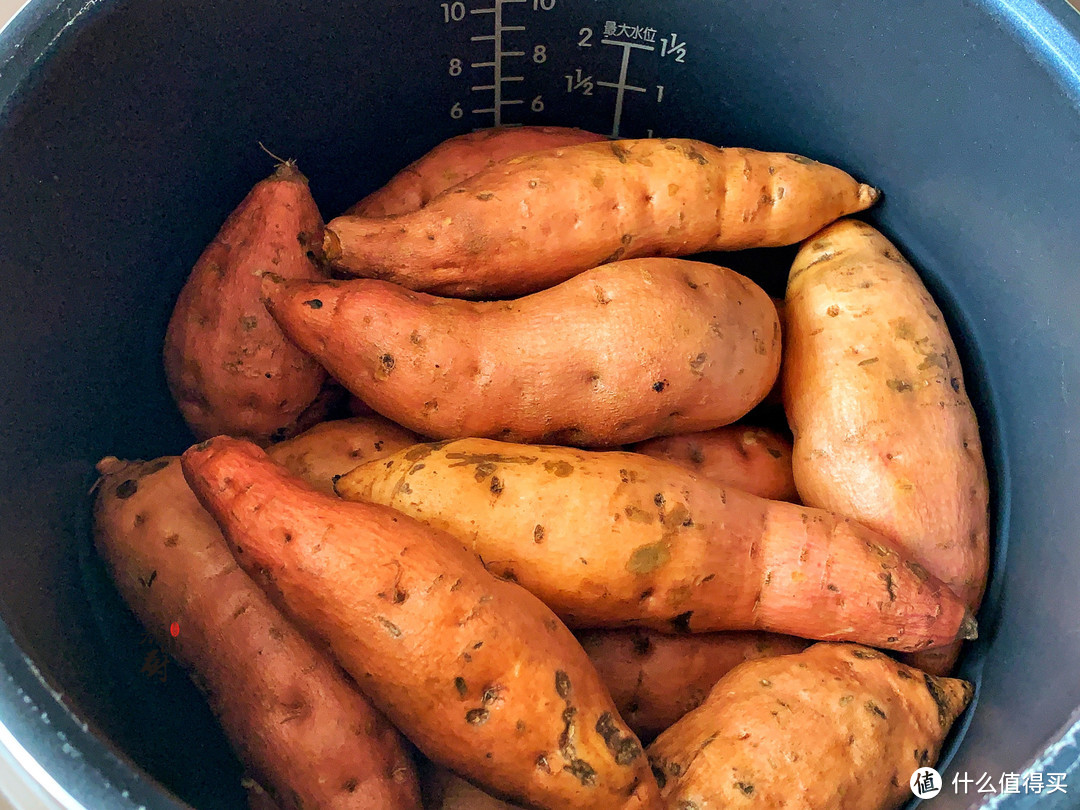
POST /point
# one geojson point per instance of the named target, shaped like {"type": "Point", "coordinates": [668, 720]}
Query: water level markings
{"type": "Point", "coordinates": [621, 86]}
{"type": "Point", "coordinates": [496, 63]}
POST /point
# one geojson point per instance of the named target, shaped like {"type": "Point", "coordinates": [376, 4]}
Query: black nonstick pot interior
{"type": "Point", "coordinates": [130, 128]}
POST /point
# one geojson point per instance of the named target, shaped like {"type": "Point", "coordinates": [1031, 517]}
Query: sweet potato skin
{"type": "Point", "coordinates": [755, 460]}
{"type": "Point", "coordinates": [170, 563]}
{"type": "Point", "coordinates": [534, 221]}
{"type": "Point", "coordinates": [884, 429]}
{"type": "Point", "coordinates": [451, 792]}
{"type": "Point", "coordinates": [656, 678]}
{"type": "Point", "coordinates": [334, 448]}
{"type": "Point", "coordinates": [458, 159]}
{"type": "Point", "coordinates": [229, 367]}
{"type": "Point", "coordinates": [621, 353]}
{"type": "Point", "coordinates": [838, 726]}
{"type": "Point", "coordinates": [478, 673]}
{"type": "Point", "coordinates": [616, 539]}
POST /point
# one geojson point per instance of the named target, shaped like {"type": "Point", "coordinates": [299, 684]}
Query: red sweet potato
{"type": "Point", "coordinates": [616, 539]}
{"type": "Point", "coordinates": [282, 702]}
{"type": "Point", "coordinates": [534, 221]}
{"type": "Point", "coordinates": [755, 460]}
{"type": "Point", "coordinates": [620, 353]}
{"type": "Point", "coordinates": [837, 727]}
{"type": "Point", "coordinates": [228, 366]}
{"type": "Point", "coordinates": [884, 429]}
{"type": "Point", "coordinates": [477, 672]}
{"type": "Point", "coordinates": [458, 159]}
{"type": "Point", "coordinates": [656, 678]}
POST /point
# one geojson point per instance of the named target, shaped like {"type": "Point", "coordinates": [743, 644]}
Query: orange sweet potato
{"type": "Point", "coordinates": [478, 673]}
{"type": "Point", "coordinates": [333, 448]}
{"type": "Point", "coordinates": [458, 159]}
{"type": "Point", "coordinates": [837, 727]}
{"type": "Point", "coordinates": [283, 703]}
{"type": "Point", "coordinates": [755, 460]}
{"type": "Point", "coordinates": [610, 539]}
{"type": "Point", "coordinates": [229, 367]}
{"type": "Point", "coordinates": [884, 429]}
{"type": "Point", "coordinates": [656, 678]}
{"type": "Point", "coordinates": [621, 353]}
{"type": "Point", "coordinates": [533, 221]}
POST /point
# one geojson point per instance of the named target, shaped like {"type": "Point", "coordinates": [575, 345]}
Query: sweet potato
{"type": "Point", "coordinates": [333, 448]}
{"type": "Point", "coordinates": [283, 704]}
{"type": "Point", "coordinates": [755, 460]}
{"type": "Point", "coordinates": [837, 727]}
{"type": "Point", "coordinates": [458, 159]}
{"type": "Point", "coordinates": [533, 221]}
{"type": "Point", "coordinates": [884, 429]}
{"type": "Point", "coordinates": [451, 792]}
{"type": "Point", "coordinates": [656, 678]}
{"type": "Point", "coordinates": [477, 672]}
{"type": "Point", "coordinates": [621, 353]}
{"type": "Point", "coordinates": [228, 366]}
{"type": "Point", "coordinates": [610, 539]}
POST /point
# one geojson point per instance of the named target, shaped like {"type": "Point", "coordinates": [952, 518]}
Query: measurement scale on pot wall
{"type": "Point", "coordinates": [517, 62]}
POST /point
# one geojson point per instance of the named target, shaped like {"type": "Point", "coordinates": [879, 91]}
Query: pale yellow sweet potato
{"type": "Point", "coordinates": [837, 727]}
{"type": "Point", "coordinates": [611, 539]}
{"type": "Point", "coordinates": [477, 672]}
{"type": "Point", "coordinates": [656, 678]}
{"type": "Point", "coordinates": [334, 448]}
{"type": "Point", "coordinates": [755, 460]}
{"type": "Point", "coordinates": [458, 159]}
{"type": "Point", "coordinates": [884, 429]}
{"type": "Point", "coordinates": [621, 353]}
{"type": "Point", "coordinates": [533, 221]}
{"type": "Point", "coordinates": [282, 702]}
{"type": "Point", "coordinates": [228, 366]}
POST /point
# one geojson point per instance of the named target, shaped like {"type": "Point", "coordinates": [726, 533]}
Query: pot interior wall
{"type": "Point", "coordinates": [122, 151]}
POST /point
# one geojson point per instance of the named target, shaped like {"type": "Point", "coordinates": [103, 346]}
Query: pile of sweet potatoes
{"type": "Point", "coordinates": [566, 555]}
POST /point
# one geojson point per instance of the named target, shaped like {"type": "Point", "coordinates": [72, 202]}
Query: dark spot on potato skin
{"type": "Point", "coordinates": [620, 152]}
{"type": "Point", "coordinates": [659, 385]}
{"type": "Point", "coordinates": [155, 466]}
{"type": "Point", "coordinates": [127, 488]}
{"type": "Point", "coordinates": [461, 687]}
{"type": "Point", "coordinates": [658, 772]}
{"type": "Point", "coordinates": [563, 687]}
{"type": "Point", "coordinates": [625, 748]}
{"type": "Point", "coordinates": [477, 717]}
{"type": "Point", "coordinates": [681, 623]}
{"type": "Point", "coordinates": [496, 485]}
{"type": "Point", "coordinates": [641, 644]}
{"type": "Point", "coordinates": [941, 699]}
{"type": "Point", "coordinates": [560, 469]}
{"type": "Point", "coordinates": [538, 533]}
{"type": "Point", "coordinates": [314, 303]}
{"type": "Point", "coordinates": [171, 540]}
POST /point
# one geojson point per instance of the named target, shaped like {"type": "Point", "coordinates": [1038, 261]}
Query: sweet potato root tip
{"type": "Point", "coordinates": [869, 194]}
{"type": "Point", "coordinates": [331, 245]}
{"type": "Point", "coordinates": [969, 627]}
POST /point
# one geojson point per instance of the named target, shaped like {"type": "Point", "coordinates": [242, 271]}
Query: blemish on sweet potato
{"type": "Point", "coordinates": [560, 469]}
{"type": "Point", "coordinates": [648, 558]}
